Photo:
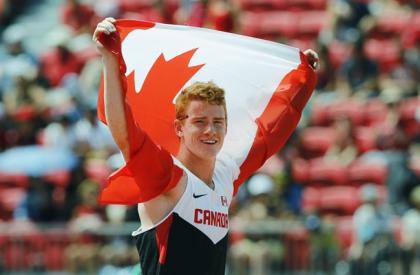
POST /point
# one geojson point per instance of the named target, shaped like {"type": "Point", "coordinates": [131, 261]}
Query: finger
{"type": "Point", "coordinates": [100, 29]}
{"type": "Point", "coordinates": [111, 19]}
{"type": "Point", "coordinates": [108, 26]}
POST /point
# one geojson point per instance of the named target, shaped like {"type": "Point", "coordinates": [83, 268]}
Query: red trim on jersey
{"type": "Point", "coordinates": [162, 234]}
{"type": "Point", "coordinates": [279, 118]}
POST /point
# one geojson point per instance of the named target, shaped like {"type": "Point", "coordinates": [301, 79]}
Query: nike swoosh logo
{"type": "Point", "coordinates": [198, 196]}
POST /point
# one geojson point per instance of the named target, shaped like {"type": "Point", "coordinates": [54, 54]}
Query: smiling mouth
{"type": "Point", "coordinates": [210, 142]}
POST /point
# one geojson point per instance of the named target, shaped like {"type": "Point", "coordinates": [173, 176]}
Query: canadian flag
{"type": "Point", "coordinates": [267, 84]}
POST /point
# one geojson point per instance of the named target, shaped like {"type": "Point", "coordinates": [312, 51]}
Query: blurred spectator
{"type": "Point", "coordinates": [394, 143]}
{"type": "Point", "coordinates": [59, 61]}
{"type": "Point", "coordinates": [410, 234]}
{"type": "Point", "coordinates": [358, 73]}
{"type": "Point", "coordinates": [324, 246]}
{"type": "Point", "coordinates": [80, 17]}
{"type": "Point", "coordinates": [198, 14]}
{"type": "Point", "coordinates": [38, 203]}
{"type": "Point", "coordinates": [373, 243]}
{"type": "Point", "coordinates": [87, 216]}
{"type": "Point", "coordinates": [325, 71]}
{"type": "Point", "coordinates": [259, 251]}
{"type": "Point", "coordinates": [402, 78]}
{"type": "Point", "coordinates": [106, 8]}
{"type": "Point", "coordinates": [348, 15]}
{"type": "Point", "coordinates": [343, 151]}
{"type": "Point", "coordinates": [92, 135]}
{"type": "Point", "coordinates": [10, 9]}
{"type": "Point", "coordinates": [16, 59]}
{"type": "Point", "coordinates": [27, 99]}
{"type": "Point", "coordinates": [82, 254]}
{"type": "Point", "coordinates": [220, 16]}
{"type": "Point", "coordinates": [60, 133]}
{"type": "Point", "coordinates": [119, 258]}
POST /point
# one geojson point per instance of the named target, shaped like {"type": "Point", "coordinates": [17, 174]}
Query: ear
{"type": "Point", "coordinates": [178, 128]}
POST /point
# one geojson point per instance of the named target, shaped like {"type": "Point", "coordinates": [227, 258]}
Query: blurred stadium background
{"type": "Point", "coordinates": [342, 197]}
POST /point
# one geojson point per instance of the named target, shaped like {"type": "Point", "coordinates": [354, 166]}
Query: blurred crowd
{"type": "Point", "coordinates": [348, 176]}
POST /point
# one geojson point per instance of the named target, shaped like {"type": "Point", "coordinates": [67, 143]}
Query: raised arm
{"type": "Point", "coordinates": [281, 115]}
{"type": "Point", "coordinates": [149, 170]}
{"type": "Point", "coordinates": [115, 109]}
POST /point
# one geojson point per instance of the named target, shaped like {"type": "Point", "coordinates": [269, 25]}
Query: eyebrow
{"type": "Point", "coordinates": [203, 117]}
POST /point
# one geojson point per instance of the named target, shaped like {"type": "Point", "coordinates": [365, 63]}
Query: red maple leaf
{"type": "Point", "coordinates": [152, 107]}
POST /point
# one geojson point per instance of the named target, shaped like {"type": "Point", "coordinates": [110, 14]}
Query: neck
{"type": "Point", "coordinates": [202, 168]}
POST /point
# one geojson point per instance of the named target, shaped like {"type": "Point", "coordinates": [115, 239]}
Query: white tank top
{"type": "Point", "coordinates": [205, 208]}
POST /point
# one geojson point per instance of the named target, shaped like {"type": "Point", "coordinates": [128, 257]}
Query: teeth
{"type": "Point", "coordinates": [209, 141]}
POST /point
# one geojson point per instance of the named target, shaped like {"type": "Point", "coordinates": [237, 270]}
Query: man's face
{"type": "Point", "coordinates": [203, 130]}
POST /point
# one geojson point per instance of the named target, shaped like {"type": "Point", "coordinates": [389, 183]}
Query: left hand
{"type": "Point", "coordinates": [312, 57]}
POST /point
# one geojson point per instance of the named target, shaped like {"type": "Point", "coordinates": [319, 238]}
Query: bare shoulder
{"type": "Point", "coordinates": [154, 210]}
{"type": "Point", "coordinates": [176, 192]}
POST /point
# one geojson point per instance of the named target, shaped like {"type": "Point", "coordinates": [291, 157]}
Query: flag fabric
{"type": "Point", "coordinates": [267, 85]}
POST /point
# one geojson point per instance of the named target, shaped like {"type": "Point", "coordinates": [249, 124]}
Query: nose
{"type": "Point", "coordinates": [210, 128]}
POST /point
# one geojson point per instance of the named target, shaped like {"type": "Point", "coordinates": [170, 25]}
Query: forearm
{"type": "Point", "coordinates": [114, 104]}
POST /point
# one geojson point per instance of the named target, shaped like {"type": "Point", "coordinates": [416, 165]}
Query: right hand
{"type": "Point", "coordinates": [107, 27]}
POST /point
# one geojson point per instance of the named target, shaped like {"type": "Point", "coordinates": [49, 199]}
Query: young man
{"type": "Point", "coordinates": [184, 200]}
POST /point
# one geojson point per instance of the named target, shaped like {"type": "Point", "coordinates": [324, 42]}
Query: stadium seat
{"type": "Point", "coordinates": [411, 35]}
{"type": "Point", "coordinates": [60, 177]}
{"type": "Point", "coordinates": [280, 23]}
{"type": "Point", "coordinates": [23, 252]}
{"type": "Point", "coordinates": [415, 165]}
{"type": "Point", "coordinates": [375, 112]}
{"type": "Point", "coordinates": [307, 4]}
{"type": "Point", "coordinates": [300, 170]}
{"type": "Point", "coordinates": [361, 171]}
{"type": "Point", "coordinates": [407, 110]}
{"type": "Point", "coordinates": [327, 172]}
{"type": "Point", "coordinates": [133, 5]}
{"type": "Point", "coordinates": [339, 52]}
{"type": "Point", "coordinates": [310, 23]}
{"type": "Point", "coordinates": [347, 108]}
{"type": "Point", "coordinates": [365, 138]}
{"type": "Point", "coordinates": [10, 198]}
{"type": "Point", "coordinates": [396, 228]}
{"type": "Point", "coordinates": [339, 200]}
{"type": "Point", "coordinates": [382, 193]}
{"type": "Point", "coordinates": [325, 114]}
{"type": "Point", "coordinates": [310, 199]}
{"type": "Point", "coordinates": [302, 43]}
{"type": "Point", "coordinates": [55, 250]}
{"type": "Point", "coordinates": [55, 69]}
{"type": "Point", "coordinates": [13, 180]}
{"type": "Point", "coordinates": [385, 52]}
{"type": "Point", "coordinates": [281, 5]}
{"type": "Point", "coordinates": [344, 232]}
{"type": "Point", "coordinates": [319, 115]}
{"type": "Point", "coordinates": [391, 23]}
{"type": "Point", "coordinates": [97, 170]}
{"type": "Point", "coordinates": [315, 141]}
{"type": "Point", "coordinates": [249, 23]}
{"type": "Point", "coordinates": [255, 5]}
{"type": "Point", "coordinates": [298, 249]}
